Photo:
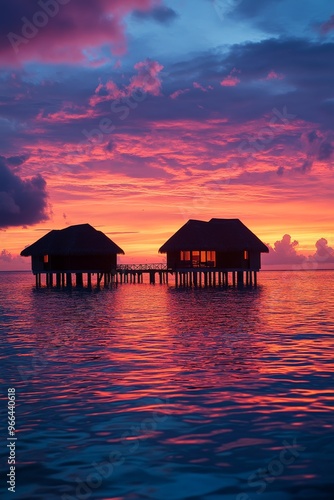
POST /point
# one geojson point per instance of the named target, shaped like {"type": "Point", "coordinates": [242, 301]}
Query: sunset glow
{"type": "Point", "coordinates": [125, 128]}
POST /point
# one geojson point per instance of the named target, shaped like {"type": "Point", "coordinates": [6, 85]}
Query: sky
{"type": "Point", "coordinates": [137, 115]}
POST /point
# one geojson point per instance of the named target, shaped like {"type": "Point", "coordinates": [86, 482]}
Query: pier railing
{"type": "Point", "coordinates": [142, 267]}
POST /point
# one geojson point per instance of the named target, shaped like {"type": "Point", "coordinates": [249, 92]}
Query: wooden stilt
{"type": "Point", "coordinates": [240, 277]}
{"type": "Point", "coordinates": [68, 279]}
{"type": "Point", "coordinates": [79, 280]}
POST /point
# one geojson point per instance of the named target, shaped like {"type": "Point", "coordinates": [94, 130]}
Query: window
{"type": "Point", "coordinates": [205, 258]}
{"type": "Point", "coordinates": [246, 255]}
{"type": "Point", "coordinates": [199, 258]}
{"type": "Point", "coordinates": [195, 257]}
{"type": "Point", "coordinates": [211, 258]}
{"type": "Point", "coordinates": [211, 255]}
{"type": "Point", "coordinates": [185, 255]}
{"type": "Point", "coordinates": [46, 259]}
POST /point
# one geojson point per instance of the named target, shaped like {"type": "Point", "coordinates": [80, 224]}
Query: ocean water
{"type": "Point", "coordinates": [151, 392]}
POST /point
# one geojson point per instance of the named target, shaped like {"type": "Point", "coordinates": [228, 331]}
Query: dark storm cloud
{"type": "Point", "coordinates": [22, 202]}
{"type": "Point", "coordinates": [162, 15]}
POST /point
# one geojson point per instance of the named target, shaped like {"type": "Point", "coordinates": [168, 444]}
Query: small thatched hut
{"type": "Point", "coordinates": [75, 249]}
{"type": "Point", "coordinates": [218, 245]}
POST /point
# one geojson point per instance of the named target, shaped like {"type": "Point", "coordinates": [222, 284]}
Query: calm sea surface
{"type": "Point", "coordinates": [151, 392]}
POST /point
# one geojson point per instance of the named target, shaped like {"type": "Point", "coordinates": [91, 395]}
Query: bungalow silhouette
{"type": "Point", "coordinates": [214, 248]}
{"type": "Point", "coordinates": [74, 250]}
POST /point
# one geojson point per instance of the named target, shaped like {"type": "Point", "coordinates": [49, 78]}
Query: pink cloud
{"type": "Point", "coordinates": [197, 85]}
{"type": "Point", "coordinates": [324, 253]}
{"type": "Point", "coordinates": [10, 262]}
{"type": "Point", "coordinates": [147, 79]}
{"type": "Point", "coordinates": [111, 91]}
{"type": "Point", "coordinates": [231, 80]}
{"type": "Point", "coordinates": [68, 112]}
{"type": "Point", "coordinates": [272, 75]}
{"type": "Point", "coordinates": [73, 32]}
{"type": "Point", "coordinates": [177, 93]}
{"type": "Point", "coordinates": [284, 252]}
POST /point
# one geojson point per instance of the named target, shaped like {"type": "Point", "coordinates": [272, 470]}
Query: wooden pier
{"type": "Point", "coordinates": [157, 273]}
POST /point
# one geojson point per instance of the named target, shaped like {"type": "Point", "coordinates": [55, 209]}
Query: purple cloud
{"type": "Point", "coordinates": [22, 201]}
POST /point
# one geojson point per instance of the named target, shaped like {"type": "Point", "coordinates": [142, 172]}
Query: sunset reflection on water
{"type": "Point", "coordinates": [187, 393]}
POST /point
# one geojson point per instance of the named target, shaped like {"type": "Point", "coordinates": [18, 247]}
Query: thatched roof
{"type": "Point", "coordinates": [225, 235]}
{"type": "Point", "coordinates": [81, 239]}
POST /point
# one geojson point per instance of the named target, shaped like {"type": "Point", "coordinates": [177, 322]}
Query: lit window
{"type": "Point", "coordinates": [46, 259]}
{"type": "Point", "coordinates": [195, 258]}
{"type": "Point", "coordinates": [211, 255]}
{"type": "Point", "coordinates": [185, 255]}
{"type": "Point", "coordinates": [246, 255]}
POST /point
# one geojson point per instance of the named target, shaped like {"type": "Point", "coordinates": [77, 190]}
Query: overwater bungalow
{"type": "Point", "coordinates": [214, 249]}
{"type": "Point", "coordinates": [74, 250]}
